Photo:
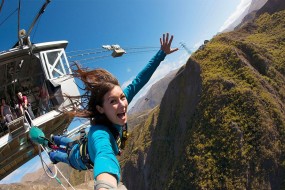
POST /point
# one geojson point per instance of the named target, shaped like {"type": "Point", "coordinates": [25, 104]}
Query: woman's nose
{"type": "Point", "coordinates": [123, 103]}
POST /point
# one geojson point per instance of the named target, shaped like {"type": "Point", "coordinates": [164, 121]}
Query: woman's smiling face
{"type": "Point", "coordinates": [115, 106]}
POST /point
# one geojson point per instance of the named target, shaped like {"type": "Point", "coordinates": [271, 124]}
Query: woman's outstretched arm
{"type": "Point", "coordinates": [143, 77]}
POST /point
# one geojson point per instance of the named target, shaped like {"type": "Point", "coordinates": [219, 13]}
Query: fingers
{"type": "Point", "coordinates": [167, 36]}
{"type": "Point", "coordinates": [165, 39]}
{"type": "Point", "coordinates": [166, 42]}
{"type": "Point", "coordinates": [170, 41]}
{"type": "Point", "coordinates": [173, 50]}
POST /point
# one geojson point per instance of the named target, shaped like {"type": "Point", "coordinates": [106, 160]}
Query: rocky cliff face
{"type": "Point", "coordinates": [221, 122]}
{"type": "Point", "coordinates": [150, 147]}
{"type": "Point", "coordinates": [256, 5]}
{"type": "Point", "coordinates": [268, 6]}
{"type": "Point", "coordinates": [272, 6]}
{"type": "Point", "coordinates": [153, 97]}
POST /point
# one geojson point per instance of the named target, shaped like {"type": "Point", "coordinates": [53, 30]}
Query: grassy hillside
{"type": "Point", "coordinates": [221, 123]}
{"type": "Point", "coordinates": [238, 137]}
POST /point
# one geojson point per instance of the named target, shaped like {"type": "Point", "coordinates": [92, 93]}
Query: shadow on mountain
{"type": "Point", "coordinates": [221, 122]}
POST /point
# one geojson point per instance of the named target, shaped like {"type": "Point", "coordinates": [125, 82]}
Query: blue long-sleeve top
{"type": "Point", "coordinates": [102, 146]}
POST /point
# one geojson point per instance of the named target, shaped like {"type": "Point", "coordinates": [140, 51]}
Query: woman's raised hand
{"type": "Point", "coordinates": [165, 43]}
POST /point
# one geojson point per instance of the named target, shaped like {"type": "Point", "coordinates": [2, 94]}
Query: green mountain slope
{"type": "Point", "coordinates": [221, 123]}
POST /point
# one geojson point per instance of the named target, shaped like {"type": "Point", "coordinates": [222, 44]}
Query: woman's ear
{"type": "Point", "coordinates": [100, 109]}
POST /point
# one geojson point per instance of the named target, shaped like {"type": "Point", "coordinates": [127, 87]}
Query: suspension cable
{"type": "Point", "coordinates": [8, 17]}
{"type": "Point", "coordinates": [1, 5]}
{"type": "Point", "coordinates": [90, 53]}
{"type": "Point", "coordinates": [141, 51]}
{"type": "Point", "coordinates": [91, 58]}
{"type": "Point", "coordinates": [18, 34]}
{"type": "Point", "coordinates": [97, 49]}
{"type": "Point", "coordinates": [88, 59]}
{"type": "Point", "coordinates": [75, 51]}
{"type": "Point", "coordinates": [147, 47]}
{"type": "Point", "coordinates": [36, 29]}
{"type": "Point", "coordinates": [42, 10]}
{"type": "Point", "coordinates": [96, 58]}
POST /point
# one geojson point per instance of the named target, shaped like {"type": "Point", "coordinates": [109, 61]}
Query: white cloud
{"type": "Point", "coordinates": [244, 4]}
{"type": "Point", "coordinates": [164, 68]}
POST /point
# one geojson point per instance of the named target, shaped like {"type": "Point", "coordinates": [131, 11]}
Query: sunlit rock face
{"type": "Point", "coordinates": [221, 121]}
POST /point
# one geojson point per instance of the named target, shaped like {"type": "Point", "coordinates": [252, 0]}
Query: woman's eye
{"type": "Point", "coordinates": [113, 101]}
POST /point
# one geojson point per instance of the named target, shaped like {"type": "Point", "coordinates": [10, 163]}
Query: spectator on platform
{"type": "Point", "coordinates": [23, 105]}
{"type": "Point", "coordinates": [6, 112]}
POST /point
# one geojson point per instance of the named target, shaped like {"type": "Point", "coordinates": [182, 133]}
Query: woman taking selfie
{"type": "Point", "coordinates": [106, 108]}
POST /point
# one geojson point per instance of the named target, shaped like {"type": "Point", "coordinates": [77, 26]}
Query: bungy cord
{"type": "Point", "coordinates": [56, 169]}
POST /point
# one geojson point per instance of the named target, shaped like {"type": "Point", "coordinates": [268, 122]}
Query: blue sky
{"type": "Point", "coordinates": [89, 24]}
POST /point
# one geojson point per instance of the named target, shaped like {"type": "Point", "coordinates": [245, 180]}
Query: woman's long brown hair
{"type": "Point", "coordinates": [96, 83]}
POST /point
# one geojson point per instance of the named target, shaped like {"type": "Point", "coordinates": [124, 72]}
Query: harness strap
{"type": "Point", "coordinates": [83, 143]}
{"type": "Point", "coordinates": [120, 140]}
{"type": "Point", "coordinates": [70, 146]}
{"type": "Point", "coordinates": [85, 155]}
{"type": "Point", "coordinates": [68, 149]}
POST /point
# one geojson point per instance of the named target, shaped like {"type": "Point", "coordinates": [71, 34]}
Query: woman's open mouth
{"type": "Point", "coordinates": [121, 115]}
